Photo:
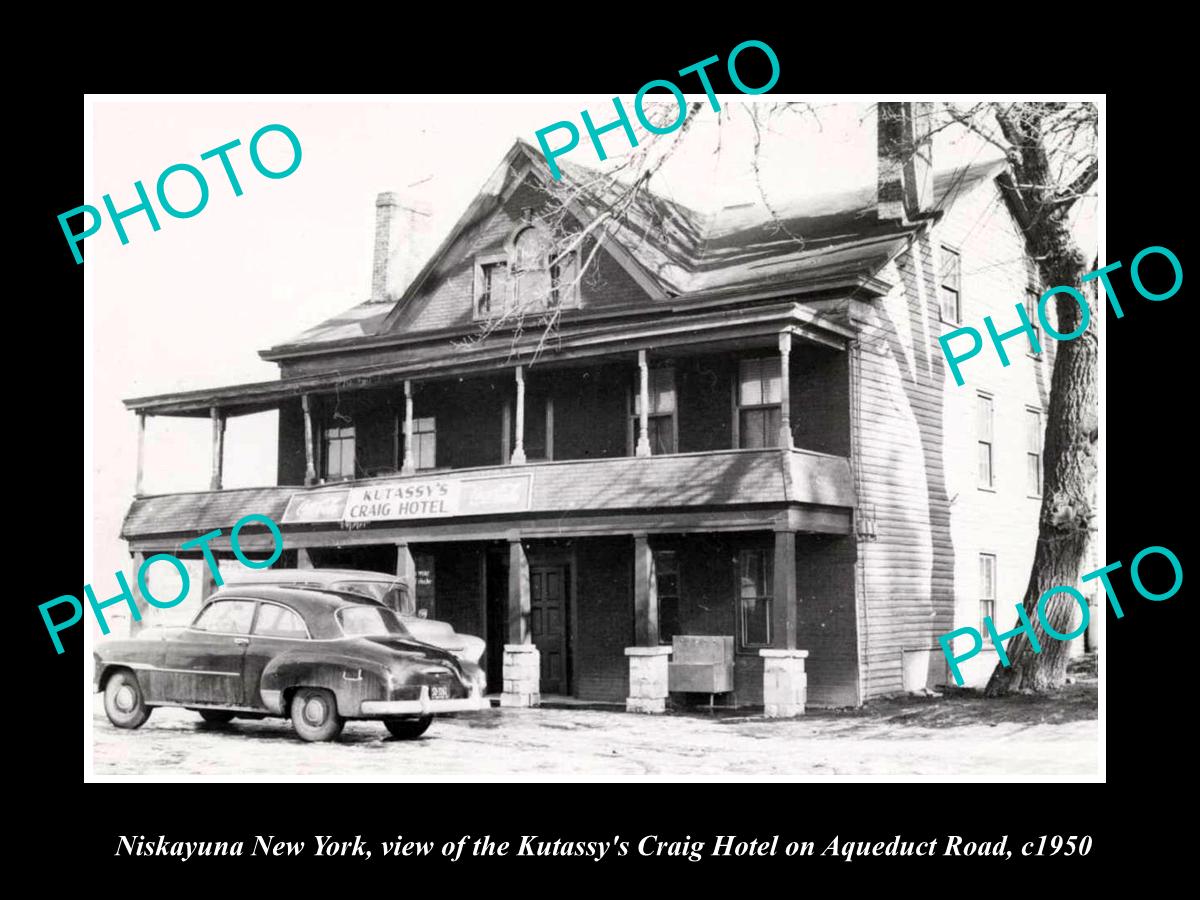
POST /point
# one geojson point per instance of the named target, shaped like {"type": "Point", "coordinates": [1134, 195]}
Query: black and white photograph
{"type": "Point", "coordinates": [677, 437]}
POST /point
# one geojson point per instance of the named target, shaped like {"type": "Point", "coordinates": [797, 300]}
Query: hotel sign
{"type": "Point", "coordinates": [414, 499]}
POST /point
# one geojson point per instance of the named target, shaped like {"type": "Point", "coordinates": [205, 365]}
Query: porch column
{"type": "Point", "coordinates": [783, 606]}
{"type": "Point", "coordinates": [410, 464]}
{"type": "Point", "coordinates": [522, 661]}
{"type": "Point", "coordinates": [218, 448]}
{"type": "Point", "coordinates": [518, 454]}
{"type": "Point", "coordinates": [141, 442]}
{"type": "Point", "coordinates": [785, 391]}
{"type": "Point", "coordinates": [406, 569]}
{"type": "Point", "coordinates": [303, 559]}
{"type": "Point", "coordinates": [310, 471]}
{"type": "Point", "coordinates": [648, 662]}
{"type": "Point", "coordinates": [643, 441]}
{"type": "Point", "coordinates": [785, 683]}
{"type": "Point", "coordinates": [645, 593]}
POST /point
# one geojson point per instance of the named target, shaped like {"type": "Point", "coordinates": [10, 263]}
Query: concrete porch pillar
{"type": "Point", "coordinates": [648, 669]}
{"type": "Point", "coordinates": [785, 683]}
{"type": "Point", "coordinates": [522, 668]}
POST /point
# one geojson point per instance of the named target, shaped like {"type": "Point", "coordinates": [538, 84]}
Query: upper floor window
{"type": "Point", "coordinates": [660, 412]}
{"type": "Point", "coordinates": [531, 274]}
{"type": "Point", "coordinates": [950, 291]}
{"type": "Point", "coordinates": [1031, 309]}
{"type": "Point", "coordinates": [983, 425]}
{"type": "Point", "coordinates": [424, 443]}
{"type": "Point", "coordinates": [338, 457]}
{"type": "Point", "coordinates": [1033, 452]}
{"type": "Point", "coordinates": [759, 402]}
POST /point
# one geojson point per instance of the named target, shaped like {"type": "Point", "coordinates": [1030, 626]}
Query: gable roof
{"type": "Point", "coordinates": [675, 252]}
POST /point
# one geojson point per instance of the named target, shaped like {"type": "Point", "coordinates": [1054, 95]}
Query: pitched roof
{"type": "Point", "coordinates": [801, 242]}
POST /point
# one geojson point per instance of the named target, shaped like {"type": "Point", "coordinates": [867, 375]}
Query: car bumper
{"type": "Point", "coordinates": [424, 706]}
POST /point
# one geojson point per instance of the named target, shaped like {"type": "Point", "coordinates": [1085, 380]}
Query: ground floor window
{"type": "Point", "coordinates": [987, 591]}
{"type": "Point", "coordinates": [754, 598]}
{"type": "Point", "coordinates": [666, 576]}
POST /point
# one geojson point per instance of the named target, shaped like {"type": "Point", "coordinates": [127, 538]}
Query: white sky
{"type": "Point", "coordinates": [189, 306]}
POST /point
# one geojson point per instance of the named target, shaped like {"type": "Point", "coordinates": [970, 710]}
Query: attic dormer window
{"type": "Point", "coordinates": [532, 275]}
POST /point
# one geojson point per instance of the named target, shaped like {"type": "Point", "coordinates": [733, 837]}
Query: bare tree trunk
{"type": "Point", "coordinates": [1069, 456]}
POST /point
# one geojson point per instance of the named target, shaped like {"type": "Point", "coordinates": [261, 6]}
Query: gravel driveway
{"type": "Point", "coordinates": [915, 736]}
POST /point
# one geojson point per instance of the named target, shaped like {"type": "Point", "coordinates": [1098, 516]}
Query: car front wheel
{"type": "Point", "coordinates": [123, 701]}
{"type": "Point", "coordinates": [407, 729]}
{"type": "Point", "coordinates": [315, 715]}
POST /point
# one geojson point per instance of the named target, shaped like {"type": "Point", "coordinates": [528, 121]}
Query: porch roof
{"type": "Point", "coordinates": [560, 491]}
{"type": "Point", "coordinates": [586, 337]}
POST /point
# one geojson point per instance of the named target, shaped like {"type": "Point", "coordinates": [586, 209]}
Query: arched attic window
{"type": "Point", "coordinates": [530, 276]}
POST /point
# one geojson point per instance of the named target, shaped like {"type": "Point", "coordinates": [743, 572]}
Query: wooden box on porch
{"type": "Point", "coordinates": [701, 664]}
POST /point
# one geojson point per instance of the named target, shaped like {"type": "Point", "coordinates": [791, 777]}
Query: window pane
{"type": "Point", "coordinates": [985, 464]}
{"type": "Point", "coordinates": [771, 392]}
{"type": "Point", "coordinates": [425, 449]}
{"type": "Point", "coordinates": [276, 621]}
{"type": "Point", "coordinates": [662, 390]}
{"type": "Point", "coordinates": [951, 269]}
{"type": "Point", "coordinates": [662, 435]}
{"type": "Point", "coordinates": [950, 311]}
{"type": "Point", "coordinates": [756, 622]}
{"type": "Point", "coordinates": [750, 428]}
{"type": "Point", "coordinates": [987, 576]}
{"type": "Point", "coordinates": [771, 423]}
{"type": "Point", "coordinates": [985, 418]}
{"type": "Point", "coordinates": [1031, 307]}
{"type": "Point", "coordinates": [227, 616]}
{"type": "Point", "coordinates": [751, 383]}
{"type": "Point", "coordinates": [423, 426]}
{"type": "Point", "coordinates": [1033, 473]}
{"type": "Point", "coordinates": [1033, 431]}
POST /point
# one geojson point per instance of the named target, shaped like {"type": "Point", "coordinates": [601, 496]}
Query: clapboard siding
{"type": "Point", "coordinates": [916, 441]}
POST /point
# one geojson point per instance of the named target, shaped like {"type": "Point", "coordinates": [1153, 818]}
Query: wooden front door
{"type": "Point", "coordinates": [548, 613]}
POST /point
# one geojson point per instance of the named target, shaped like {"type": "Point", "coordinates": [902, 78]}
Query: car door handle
{"type": "Point", "coordinates": [241, 641]}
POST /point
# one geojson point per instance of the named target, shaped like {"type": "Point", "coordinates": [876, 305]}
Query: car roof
{"type": "Point", "coordinates": [311, 576]}
{"type": "Point", "coordinates": [307, 602]}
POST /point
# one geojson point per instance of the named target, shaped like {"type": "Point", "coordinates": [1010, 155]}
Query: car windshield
{"type": "Point", "coordinates": [369, 621]}
{"type": "Point", "coordinates": [385, 592]}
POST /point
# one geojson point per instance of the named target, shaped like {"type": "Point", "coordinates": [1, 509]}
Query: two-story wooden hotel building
{"type": "Point", "coordinates": [731, 432]}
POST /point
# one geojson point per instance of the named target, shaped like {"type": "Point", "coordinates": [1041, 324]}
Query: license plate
{"type": "Point", "coordinates": [439, 692]}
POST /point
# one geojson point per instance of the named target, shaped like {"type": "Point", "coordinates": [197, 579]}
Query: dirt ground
{"type": "Point", "coordinates": [958, 734]}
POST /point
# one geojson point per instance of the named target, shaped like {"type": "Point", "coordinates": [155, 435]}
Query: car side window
{"type": "Point", "coordinates": [279, 621]}
{"type": "Point", "coordinates": [226, 617]}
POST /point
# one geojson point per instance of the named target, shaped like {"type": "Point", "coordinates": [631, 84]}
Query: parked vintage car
{"type": "Point", "coordinates": [386, 589]}
{"type": "Point", "coordinates": [318, 657]}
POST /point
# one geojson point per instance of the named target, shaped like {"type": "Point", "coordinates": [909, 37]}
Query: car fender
{"type": "Point", "coordinates": [351, 678]}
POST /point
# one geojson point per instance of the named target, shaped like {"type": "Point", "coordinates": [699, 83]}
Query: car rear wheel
{"type": "Point", "coordinates": [315, 715]}
{"type": "Point", "coordinates": [216, 716]}
{"type": "Point", "coordinates": [123, 701]}
{"type": "Point", "coordinates": [407, 729]}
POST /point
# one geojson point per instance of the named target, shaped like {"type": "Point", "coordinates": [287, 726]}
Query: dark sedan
{"type": "Point", "coordinates": [317, 657]}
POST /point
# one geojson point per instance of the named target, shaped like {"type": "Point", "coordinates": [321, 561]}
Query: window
{"type": "Point", "coordinates": [987, 591]}
{"type": "Point", "coordinates": [226, 617]}
{"type": "Point", "coordinates": [279, 621]}
{"type": "Point", "coordinates": [759, 396]}
{"type": "Point", "coordinates": [564, 273]}
{"type": "Point", "coordinates": [493, 289]}
{"type": "Point", "coordinates": [1031, 310]}
{"type": "Point", "coordinates": [372, 621]}
{"type": "Point", "coordinates": [424, 443]}
{"type": "Point", "coordinates": [530, 269]}
{"type": "Point", "coordinates": [666, 578]}
{"type": "Point", "coordinates": [660, 417]}
{"type": "Point", "coordinates": [984, 428]}
{"type": "Point", "coordinates": [339, 453]}
{"type": "Point", "coordinates": [951, 286]}
{"type": "Point", "coordinates": [1033, 451]}
{"type": "Point", "coordinates": [754, 598]}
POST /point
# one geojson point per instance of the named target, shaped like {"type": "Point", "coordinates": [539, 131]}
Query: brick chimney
{"type": "Point", "coordinates": [401, 225]}
{"type": "Point", "coordinates": [905, 155]}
